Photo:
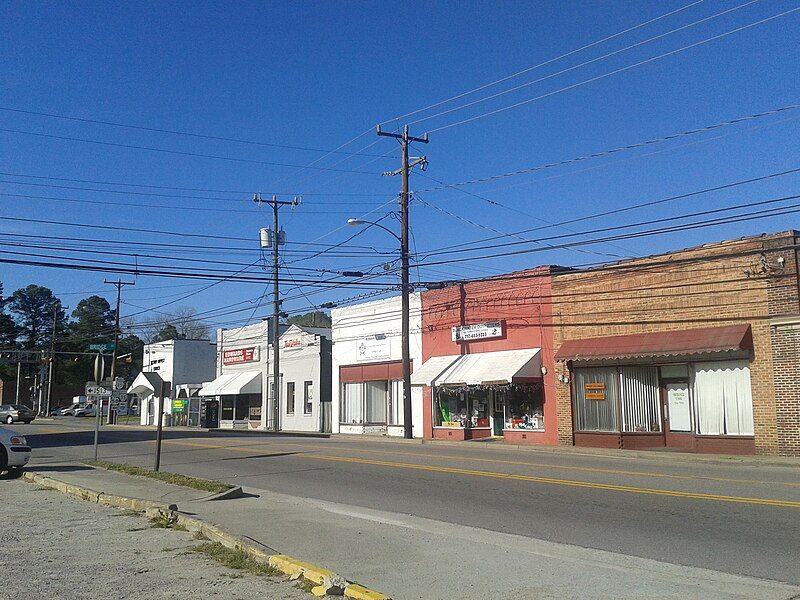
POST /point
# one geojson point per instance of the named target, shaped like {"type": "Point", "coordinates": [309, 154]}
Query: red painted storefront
{"type": "Point", "coordinates": [523, 306]}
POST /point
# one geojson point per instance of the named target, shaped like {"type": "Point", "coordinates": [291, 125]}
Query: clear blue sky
{"type": "Point", "coordinates": [318, 74]}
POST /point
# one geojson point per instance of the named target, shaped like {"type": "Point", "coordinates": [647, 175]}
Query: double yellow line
{"type": "Point", "coordinates": [515, 477]}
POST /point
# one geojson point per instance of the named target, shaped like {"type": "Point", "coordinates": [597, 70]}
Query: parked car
{"type": "Point", "coordinates": [68, 410]}
{"type": "Point", "coordinates": [14, 450]}
{"type": "Point", "coordinates": [10, 413]}
{"type": "Point", "coordinates": [86, 410]}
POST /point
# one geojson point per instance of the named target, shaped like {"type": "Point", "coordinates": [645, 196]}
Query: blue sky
{"type": "Point", "coordinates": [315, 75]}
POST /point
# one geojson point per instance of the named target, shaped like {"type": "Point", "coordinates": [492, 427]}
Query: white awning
{"type": "Point", "coordinates": [232, 384]}
{"type": "Point", "coordinates": [146, 384]}
{"type": "Point", "coordinates": [481, 368]}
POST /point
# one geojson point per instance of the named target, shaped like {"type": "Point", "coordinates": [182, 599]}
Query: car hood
{"type": "Point", "coordinates": [6, 434]}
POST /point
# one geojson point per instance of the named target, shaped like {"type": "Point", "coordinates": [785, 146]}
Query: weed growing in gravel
{"type": "Point", "coordinates": [235, 559]}
{"type": "Point", "coordinates": [305, 585]}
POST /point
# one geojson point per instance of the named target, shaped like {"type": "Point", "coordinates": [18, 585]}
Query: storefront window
{"type": "Point", "coordinates": [308, 397]}
{"type": "Point", "coordinates": [524, 406]}
{"type": "Point", "coordinates": [396, 403]}
{"type": "Point", "coordinates": [641, 403]}
{"type": "Point", "coordinates": [227, 407]}
{"type": "Point", "coordinates": [290, 398]}
{"type": "Point", "coordinates": [375, 396]}
{"type": "Point", "coordinates": [723, 397]}
{"type": "Point", "coordinates": [351, 409]}
{"type": "Point", "coordinates": [596, 393]}
{"type": "Point", "coordinates": [478, 400]}
{"type": "Point", "coordinates": [451, 408]}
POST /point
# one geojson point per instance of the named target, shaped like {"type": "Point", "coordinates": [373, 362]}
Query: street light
{"type": "Point", "coordinates": [408, 430]}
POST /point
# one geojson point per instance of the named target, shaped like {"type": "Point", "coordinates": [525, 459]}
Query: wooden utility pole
{"type": "Point", "coordinates": [405, 138]}
{"type": "Point", "coordinates": [118, 283]}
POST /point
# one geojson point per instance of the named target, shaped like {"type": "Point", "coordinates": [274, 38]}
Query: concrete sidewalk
{"type": "Point", "coordinates": [414, 557]}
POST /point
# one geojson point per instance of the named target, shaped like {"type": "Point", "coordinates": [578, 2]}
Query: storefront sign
{"type": "Point", "coordinates": [292, 343]}
{"type": "Point", "coordinates": [477, 331]}
{"type": "Point", "coordinates": [595, 391]}
{"type": "Point", "coordinates": [451, 424]}
{"type": "Point", "coordinates": [372, 349]}
{"type": "Point", "coordinates": [178, 406]}
{"type": "Point", "coordinates": [239, 355]}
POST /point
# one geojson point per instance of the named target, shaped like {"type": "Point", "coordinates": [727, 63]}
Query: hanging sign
{"type": "Point", "coordinates": [594, 391]}
{"type": "Point", "coordinates": [239, 355]}
{"type": "Point", "coordinates": [372, 349]}
{"type": "Point", "coordinates": [477, 331]}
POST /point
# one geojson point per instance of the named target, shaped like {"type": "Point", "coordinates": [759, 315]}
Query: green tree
{"type": "Point", "coordinates": [33, 308]}
{"type": "Point", "coordinates": [93, 322]}
{"type": "Point", "coordinates": [131, 366]}
{"type": "Point", "coordinates": [8, 329]}
{"type": "Point", "coordinates": [316, 318]}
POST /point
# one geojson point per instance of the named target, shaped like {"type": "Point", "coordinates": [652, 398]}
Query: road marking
{"type": "Point", "coordinates": [516, 477]}
{"type": "Point", "coordinates": [528, 464]}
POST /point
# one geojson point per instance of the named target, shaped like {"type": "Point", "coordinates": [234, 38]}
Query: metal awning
{"type": "Point", "coordinates": [146, 384]}
{"type": "Point", "coordinates": [500, 367]}
{"type": "Point", "coordinates": [232, 384]}
{"type": "Point", "coordinates": [735, 340]}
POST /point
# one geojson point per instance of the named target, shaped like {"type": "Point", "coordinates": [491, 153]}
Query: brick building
{"type": "Point", "coordinates": [488, 360]}
{"type": "Point", "coordinates": [698, 348]}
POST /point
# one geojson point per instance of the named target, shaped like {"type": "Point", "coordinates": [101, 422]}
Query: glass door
{"type": "Point", "coordinates": [498, 414]}
{"type": "Point", "coordinates": [677, 410]}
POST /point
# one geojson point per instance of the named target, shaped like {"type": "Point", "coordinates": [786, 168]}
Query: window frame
{"type": "Point", "coordinates": [290, 385]}
{"type": "Point", "coordinates": [308, 399]}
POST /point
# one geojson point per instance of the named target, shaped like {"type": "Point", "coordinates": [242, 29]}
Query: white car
{"type": "Point", "coordinates": [14, 450]}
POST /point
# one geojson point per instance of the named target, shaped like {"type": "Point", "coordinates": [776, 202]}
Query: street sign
{"type": "Point", "coordinates": [107, 347]}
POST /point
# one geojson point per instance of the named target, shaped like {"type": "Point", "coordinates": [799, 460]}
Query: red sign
{"type": "Point", "coordinates": [239, 355]}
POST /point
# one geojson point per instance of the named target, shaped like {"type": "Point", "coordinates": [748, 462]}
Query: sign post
{"type": "Point", "coordinates": [99, 368]}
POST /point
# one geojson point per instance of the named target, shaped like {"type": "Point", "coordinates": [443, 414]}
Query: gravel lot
{"type": "Point", "coordinates": [56, 546]}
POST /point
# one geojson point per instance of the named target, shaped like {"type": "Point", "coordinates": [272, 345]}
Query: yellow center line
{"type": "Point", "coordinates": [535, 464]}
{"type": "Point", "coordinates": [515, 477]}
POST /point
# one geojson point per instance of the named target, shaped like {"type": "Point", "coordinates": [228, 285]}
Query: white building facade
{"type": "Point", "coordinates": [182, 364]}
{"type": "Point", "coordinates": [243, 390]}
{"type": "Point", "coordinates": [367, 367]}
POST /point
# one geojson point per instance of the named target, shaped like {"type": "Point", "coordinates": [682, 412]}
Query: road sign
{"type": "Point", "coordinates": [107, 347]}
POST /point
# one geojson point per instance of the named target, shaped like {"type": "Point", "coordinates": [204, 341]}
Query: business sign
{"type": "Point", "coordinates": [178, 406]}
{"type": "Point", "coordinates": [239, 355]}
{"type": "Point", "coordinates": [372, 349]}
{"type": "Point", "coordinates": [478, 331]}
{"type": "Point", "coordinates": [594, 391]}
{"type": "Point", "coordinates": [292, 342]}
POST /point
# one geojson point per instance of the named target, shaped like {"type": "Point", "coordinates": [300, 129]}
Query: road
{"type": "Point", "coordinates": [731, 518]}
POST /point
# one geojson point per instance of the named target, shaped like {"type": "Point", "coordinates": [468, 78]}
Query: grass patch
{"type": "Point", "coordinates": [206, 485]}
{"type": "Point", "coordinates": [167, 521]}
{"type": "Point", "coordinates": [305, 585]}
{"type": "Point", "coordinates": [235, 559]}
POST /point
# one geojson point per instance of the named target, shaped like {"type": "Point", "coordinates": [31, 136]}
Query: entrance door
{"type": "Point", "coordinates": [677, 410]}
{"type": "Point", "coordinates": [498, 415]}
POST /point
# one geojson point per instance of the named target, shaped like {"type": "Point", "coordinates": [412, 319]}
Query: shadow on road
{"type": "Point", "coordinates": [61, 468]}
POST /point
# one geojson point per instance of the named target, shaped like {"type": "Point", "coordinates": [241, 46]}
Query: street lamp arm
{"type": "Point", "coordinates": [356, 222]}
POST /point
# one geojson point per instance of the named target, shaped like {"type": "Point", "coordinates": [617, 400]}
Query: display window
{"type": "Point", "coordinates": [523, 407]}
{"type": "Point", "coordinates": [469, 407]}
{"type": "Point", "coordinates": [377, 402]}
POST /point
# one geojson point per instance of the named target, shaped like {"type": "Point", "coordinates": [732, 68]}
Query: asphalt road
{"type": "Point", "coordinates": [734, 518]}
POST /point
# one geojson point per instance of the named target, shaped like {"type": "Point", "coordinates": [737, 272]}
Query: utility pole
{"type": "Point", "coordinates": [405, 138]}
{"type": "Point", "coordinates": [274, 238]}
{"type": "Point", "coordinates": [118, 283]}
{"type": "Point", "coordinates": [50, 372]}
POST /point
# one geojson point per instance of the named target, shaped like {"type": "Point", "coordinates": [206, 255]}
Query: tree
{"type": "Point", "coordinates": [33, 308]}
{"type": "Point", "coordinates": [8, 329]}
{"type": "Point", "coordinates": [93, 321]}
{"type": "Point", "coordinates": [168, 332]}
{"type": "Point", "coordinates": [316, 318]}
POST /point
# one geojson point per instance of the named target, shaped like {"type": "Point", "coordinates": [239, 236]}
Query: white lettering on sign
{"type": "Point", "coordinates": [478, 331]}
{"type": "Point", "coordinates": [239, 355]}
{"type": "Point", "coordinates": [372, 349]}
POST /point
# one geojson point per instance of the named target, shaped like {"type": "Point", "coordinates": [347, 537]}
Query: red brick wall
{"type": "Point", "coordinates": [786, 362]}
{"type": "Point", "coordinates": [739, 281]}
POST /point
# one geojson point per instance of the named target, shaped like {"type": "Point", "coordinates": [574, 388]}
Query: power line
{"type": "Point", "coordinates": [176, 132]}
{"type": "Point", "coordinates": [180, 152]}
{"type": "Point", "coordinates": [543, 64]}
{"type": "Point", "coordinates": [617, 71]}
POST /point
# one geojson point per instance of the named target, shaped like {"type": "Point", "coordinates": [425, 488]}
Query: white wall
{"type": "Point", "coordinates": [352, 324]}
{"type": "Point", "coordinates": [298, 365]}
{"type": "Point", "coordinates": [256, 335]}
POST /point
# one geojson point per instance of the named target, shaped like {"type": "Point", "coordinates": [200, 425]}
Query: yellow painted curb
{"type": "Point", "coordinates": [293, 567]}
{"type": "Point", "coordinates": [359, 592]}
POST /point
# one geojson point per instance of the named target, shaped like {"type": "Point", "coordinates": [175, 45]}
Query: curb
{"type": "Point", "coordinates": [287, 565]}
